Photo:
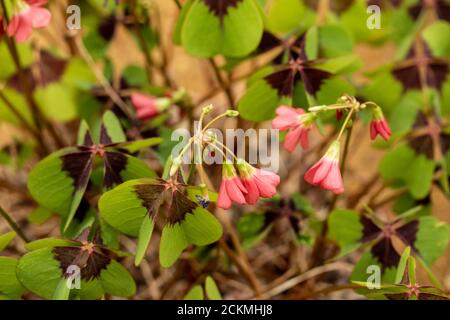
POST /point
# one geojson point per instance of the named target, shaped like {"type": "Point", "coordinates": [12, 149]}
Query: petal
{"type": "Point", "coordinates": [292, 139]}
{"type": "Point", "coordinates": [289, 111]}
{"type": "Point", "coordinates": [142, 101]}
{"type": "Point", "coordinates": [13, 26]}
{"type": "Point", "coordinates": [304, 141]}
{"type": "Point", "coordinates": [282, 123]}
{"type": "Point", "coordinates": [21, 29]}
{"type": "Point", "coordinates": [252, 191]}
{"type": "Point", "coordinates": [266, 190]}
{"type": "Point", "coordinates": [145, 114]}
{"type": "Point", "coordinates": [234, 191]}
{"type": "Point", "coordinates": [269, 176]}
{"type": "Point", "coordinates": [373, 130]}
{"type": "Point", "coordinates": [318, 172]}
{"type": "Point", "coordinates": [223, 200]}
{"type": "Point", "coordinates": [39, 17]}
{"type": "Point", "coordinates": [333, 181]}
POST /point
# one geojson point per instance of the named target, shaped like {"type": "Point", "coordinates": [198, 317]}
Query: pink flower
{"type": "Point", "coordinates": [29, 14]}
{"type": "Point", "coordinates": [146, 106]}
{"type": "Point", "coordinates": [231, 188]}
{"type": "Point", "coordinates": [326, 172]}
{"type": "Point", "coordinates": [257, 182]}
{"type": "Point", "coordinates": [297, 122]}
{"type": "Point", "coordinates": [379, 125]}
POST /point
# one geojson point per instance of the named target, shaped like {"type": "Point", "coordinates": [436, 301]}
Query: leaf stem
{"type": "Point", "coordinates": [225, 87]}
{"type": "Point", "coordinates": [13, 224]}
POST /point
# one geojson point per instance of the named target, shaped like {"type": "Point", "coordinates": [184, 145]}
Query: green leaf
{"type": "Point", "coordinates": [39, 272]}
{"type": "Point", "coordinates": [51, 187]}
{"type": "Point", "coordinates": [78, 74]}
{"type": "Point", "coordinates": [135, 169]}
{"type": "Point", "coordinates": [404, 114]}
{"type": "Point", "coordinates": [204, 35]}
{"type": "Point", "coordinates": [419, 176]}
{"type": "Point", "coordinates": [288, 15]}
{"type": "Point", "coordinates": [196, 293]}
{"type": "Point", "coordinates": [332, 89]}
{"type": "Point", "coordinates": [122, 209]}
{"type": "Point", "coordinates": [134, 146]}
{"type": "Point", "coordinates": [8, 67]}
{"type": "Point", "coordinates": [82, 131]}
{"type": "Point", "coordinates": [345, 228]}
{"type": "Point", "coordinates": [39, 215]}
{"type": "Point", "coordinates": [50, 97]}
{"type": "Point", "coordinates": [62, 290]}
{"type": "Point", "coordinates": [402, 265]}
{"type": "Point", "coordinates": [145, 234]}
{"type": "Point", "coordinates": [20, 104]}
{"type": "Point", "coordinates": [436, 36]}
{"type": "Point", "coordinates": [173, 242]}
{"type": "Point", "coordinates": [5, 239]}
{"type": "Point", "coordinates": [116, 280]}
{"type": "Point", "coordinates": [251, 229]}
{"type": "Point", "coordinates": [432, 239]}
{"type": "Point", "coordinates": [341, 65]}
{"type": "Point", "coordinates": [360, 273]}
{"type": "Point", "coordinates": [335, 40]}
{"type": "Point", "coordinates": [9, 284]}
{"type": "Point", "coordinates": [211, 289]}
{"type": "Point", "coordinates": [48, 243]}
{"type": "Point", "coordinates": [201, 227]}
{"type": "Point", "coordinates": [383, 89]}
{"type": "Point", "coordinates": [113, 127]}
{"type": "Point", "coordinates": [180, 21]}
{"type": "Point", "coordinates": [259, 102]}
{"type": "Point", "coordinates": [412, 270]}
{"type": "Point", "coordinates": [393, 165]}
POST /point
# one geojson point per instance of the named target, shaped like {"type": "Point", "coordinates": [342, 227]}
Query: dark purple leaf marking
{"type": "Point", "coordinates": [220, 7]}
{"type": "Point", "coordinates": [49, 69]}
{"type": "Point", "coordinates": [78, 165]}
{"type": "Point", "coordinates": [114, 164]}
{"type": "Point", "coordinates": [91, 258]}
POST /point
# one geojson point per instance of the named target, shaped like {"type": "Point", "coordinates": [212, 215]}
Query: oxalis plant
{"type": "Point", "coordinates": [280, 149]}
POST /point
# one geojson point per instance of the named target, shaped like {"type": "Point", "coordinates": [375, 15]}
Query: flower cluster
{"type": "Point", "coordinates": [242, 186]}
{"type": "Point", "coordinates": [27, 15]}
{"type": "Point", "coordinates": [326, 172]}
{"type": "Point", "coordinates": [247, 187]}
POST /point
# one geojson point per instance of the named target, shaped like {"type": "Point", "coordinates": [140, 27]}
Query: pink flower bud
{"type": "Point", "coordinates": [326, 173]}
{"type": "Point", "coordinates": [28, 14]}
{"type": "Point", "coordinates": [146, 106]}
{"type": "Point", "coordinates": [379, 125]}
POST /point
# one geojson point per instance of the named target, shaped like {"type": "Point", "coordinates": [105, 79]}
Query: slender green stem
{"type": "Point", "coordinates": [344, 125]}
{"type": "Point", "coordinates": [13, 225]}
{"type": "Point", "coordinates": [346, 148]}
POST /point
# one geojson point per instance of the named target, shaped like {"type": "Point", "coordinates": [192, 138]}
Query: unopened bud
{"type": "Point", "coordinates": [232, 113]}
{"type": "Point", "coordinates": [179, 95]}
{"type": "Point", "coordinates": [163, 103]}
{"type": "Point", "coordinates": [207, 109]}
